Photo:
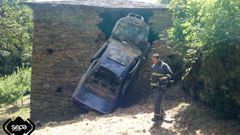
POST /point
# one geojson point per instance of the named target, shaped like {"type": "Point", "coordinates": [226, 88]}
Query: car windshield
{"type": "Point", "coordinates": [104, 83]}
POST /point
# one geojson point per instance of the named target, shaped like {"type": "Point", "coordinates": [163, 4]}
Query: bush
{"type": "Point", "coordinates": [209, 33]}
{"type": "Point", "coordinates": [13, 87]}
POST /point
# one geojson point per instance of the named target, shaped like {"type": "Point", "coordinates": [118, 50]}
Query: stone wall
{"type": "Point", "coordinates": [65, 38]}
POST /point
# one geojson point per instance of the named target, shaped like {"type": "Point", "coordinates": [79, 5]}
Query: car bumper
{"type": "Point", "coordinates": [84, 97]}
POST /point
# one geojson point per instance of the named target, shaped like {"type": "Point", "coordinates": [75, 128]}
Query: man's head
{"type": "Point", "coordinates": [155, 58]}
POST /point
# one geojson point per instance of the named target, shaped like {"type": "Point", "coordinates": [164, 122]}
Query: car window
{"type": "Point", "coordinates": [104, 83]}
{"type": "Point", "coordinates": [109, 77]}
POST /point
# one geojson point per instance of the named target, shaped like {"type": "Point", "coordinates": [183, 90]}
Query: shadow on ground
{"type": "Point", "coordinates": [191, 118]}
{"type": "Point", "coordinates": [12, 111]}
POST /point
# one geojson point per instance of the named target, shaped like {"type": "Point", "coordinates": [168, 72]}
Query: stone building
{"type": "Point", "coordinates": [66, 35]}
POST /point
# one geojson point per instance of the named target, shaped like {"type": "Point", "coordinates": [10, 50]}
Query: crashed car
{"type": "Point", "coordinates": [114, 66]}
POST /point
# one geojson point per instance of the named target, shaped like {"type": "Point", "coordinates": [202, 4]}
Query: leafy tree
{"type": "Point", "coordinates": [209, 33]}
{"type": "Point", "coordinates": [13, 87]}
{"type": "Point", "coordinates": [205, 22]}
{"type": "Point", "coordinates": [15, 36]}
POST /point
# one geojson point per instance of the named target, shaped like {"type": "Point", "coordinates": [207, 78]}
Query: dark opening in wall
{"type": "Point", "coordinates": [111, 16]}
{"type": "Point", "coordinates": [50, 51]}
{"type": "Point", "coordinates": [59, 90]}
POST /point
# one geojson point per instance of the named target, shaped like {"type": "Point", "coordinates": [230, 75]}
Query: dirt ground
{"type": "Point", "coordinates": [20, 108]}
{"type": "Point", "coordinates": [183, 117]}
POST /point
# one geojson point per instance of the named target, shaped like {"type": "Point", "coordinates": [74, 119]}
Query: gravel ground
{"type": "Point", "coordinates": [183, 117]}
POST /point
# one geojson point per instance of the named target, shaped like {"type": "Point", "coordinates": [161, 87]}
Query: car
{"type": "Point", "coordinates": [103, 86]}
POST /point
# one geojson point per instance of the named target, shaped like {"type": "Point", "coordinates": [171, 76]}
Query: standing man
{"type": "Point", "coordinates": [161, 73]}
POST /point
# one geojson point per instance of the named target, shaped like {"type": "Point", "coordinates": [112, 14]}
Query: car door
{"type": "Point", "coordinates": [131, 74]}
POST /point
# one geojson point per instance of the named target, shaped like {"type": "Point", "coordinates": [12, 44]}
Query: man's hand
{"type": "Point", "coordinates": [163, 78]}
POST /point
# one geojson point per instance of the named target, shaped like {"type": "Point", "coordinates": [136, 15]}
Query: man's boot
{"type": "Point", "coordinates": [162, 112]}
{"type": "Point", "coordinates": [157, 118]}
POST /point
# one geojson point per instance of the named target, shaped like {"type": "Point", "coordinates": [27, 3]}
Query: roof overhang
{"type": "Point", "coordinates": [100, 3]}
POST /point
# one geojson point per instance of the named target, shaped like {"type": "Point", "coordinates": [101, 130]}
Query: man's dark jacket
{"type": "Point", "coordinates": [159, 70]}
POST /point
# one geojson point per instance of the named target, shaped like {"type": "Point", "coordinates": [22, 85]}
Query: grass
{"type": "Point", "coordinates": [14, 110]}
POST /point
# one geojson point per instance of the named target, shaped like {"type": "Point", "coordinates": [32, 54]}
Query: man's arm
{"type": "Point", "coordinates": [167, 73]}
{"type": "Point", "coordinates": [154, 80]}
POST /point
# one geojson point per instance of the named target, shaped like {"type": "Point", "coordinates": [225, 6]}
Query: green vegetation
{"type": "Point", "coordinates": [13, 87]}
{"type": "Point", "coordinates": [15, 36]}
{"type": "Point", "coordinates": [208, 33]}
{"type": "Point", "coordinates": [15, 50]}
{"type": "Point", "coordinates": [212, 23]}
